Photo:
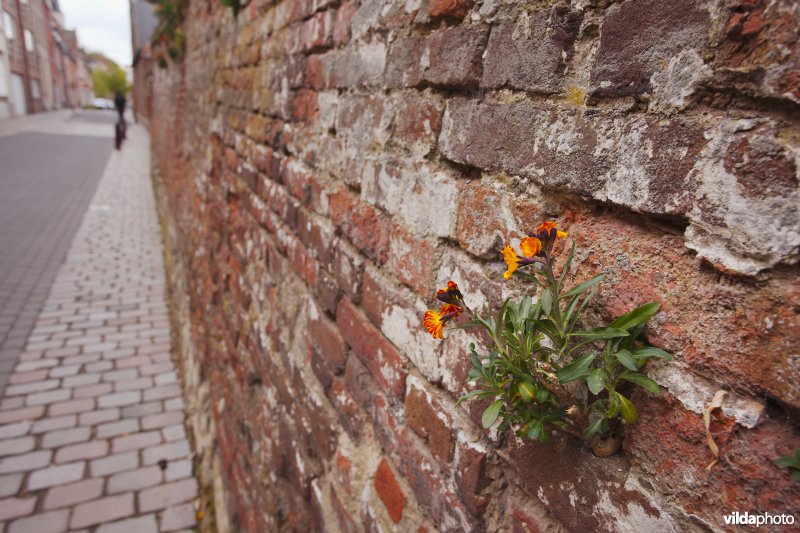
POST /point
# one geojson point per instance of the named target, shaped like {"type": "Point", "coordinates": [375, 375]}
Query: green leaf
{"type": "Point", "coordinates": [567, 264]}
{"type": "Point", "coordinates": [787, 461]}
{"type": "Point", "coordinates": [547, 301]}
{"type": "Point", "coordinates": [627, 409]}
{"type": "Point", "coordinates": [652, 351]}
{"type": "Point", "coordinates": [524, 308]}
{"type": "Point", "coordinates": [576, 369]}
{"type": "Point", "coordinates": [583, 287]}
{"type": "Point", "coordinates": [593, 428]}
{"type": "Point", "coordinates": [547, 327]}
{"type": "Point", "coordinates": [596, 381]}
{"type": "Point", "coordinates": [643, 381]}
{"type": "Point", "coordinates": [527, 391]}
{"type": "Point", "coordinates": [626, 359]}
{"type": "Point", "coordinates": [472, 394]}
{"type": "Point", "coordinates": [536, 429]}
{"type": "Point", "coordinates": [638, 316]}
{"type": "Point", "coordinates": [491, 413]}
{"type": "Point", "coordinates": [600, 333]}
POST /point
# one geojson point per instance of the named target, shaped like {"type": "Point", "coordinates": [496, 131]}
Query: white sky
{"type": "Point", "coordinates": [103, 26]}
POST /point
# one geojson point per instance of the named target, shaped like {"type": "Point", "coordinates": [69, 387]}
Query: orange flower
{"type": "Point", "coordinates": [450, 308]}
{"type": "Point", "coordinates": [545, 231]}
{"type": "Point", "coordinates": [451, 295]}
{"type": "Point", "coordinates": [530, 247]}
{"type": "Point", "coordinates": [433, 323]}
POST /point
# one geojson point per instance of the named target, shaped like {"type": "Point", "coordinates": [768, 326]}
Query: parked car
{"type": "Point", "coordinates": [102, 103]}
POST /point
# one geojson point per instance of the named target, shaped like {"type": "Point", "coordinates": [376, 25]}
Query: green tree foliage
{"type": "Point", "coordinates": [108, 80]}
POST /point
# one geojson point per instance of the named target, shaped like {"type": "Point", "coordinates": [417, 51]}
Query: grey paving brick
{"type": "Point", "coordinates": [49, 397]}
{"type": "Point", "coordinates": [59, 422]}
{"type": "Point", "coordinates": [72, 406]}
{"type": "Point", "coordinates": [26, 462]}
{"type": "Point", "coordinates": [86, 450]}
{"type": "Point", "coordinates": [55, 439]}
{"type": "Point", "coordinates": [120, 399]}
{"type": "Point", "coordinates": [161, 420]}
{"type": "Point", "coordinates": [99, 416]}
{"type": "Point", "coordinates": [24, 413]}
{"type": "Point", "coordinates": [50, 522]}
{"type": "Point", "coordinates": [114, 463]}
{"type": "Point", "coordinates": [66, 495]}
{"type": "Point", "coordinates": [163, 496]}
{"type": "Point", "coordinates": [15, 507]}
{"type": "Point", "coordinates": [56, 475]}
{"type": "Point", "coordinates": [16, 446]}
{"type": "Point", "coordinates": [34, 386]}
{"type": "Point", "coordinates": [178, 517]}
{"type": "Point", "coordinates": [135, 441]}
{"type": "Point", "coordinates": [10, 484]}
{"type": "Point", "coordinates": [134, 480]}
{"type": "Point", "coordinates": [140, 524]}
{"type": "Point", "coordinates": [114, 429]}
{"type": "Point", "coordinates": [15, 429]}
{"type": "Point", "coordinates": [103, 510]}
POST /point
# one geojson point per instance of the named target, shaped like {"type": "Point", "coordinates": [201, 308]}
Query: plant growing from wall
{"type": "Point", "coordinates": [542, 370]}
{"type": "Point", "coordinates": [792, 462]}
{"type": "Point", "coordinates": [235, 5]}
{"type": "Point", "coordinates": [168, 34]}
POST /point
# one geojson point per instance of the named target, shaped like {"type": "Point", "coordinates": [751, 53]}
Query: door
{"type": "Point", "coordinates": [19, 95]}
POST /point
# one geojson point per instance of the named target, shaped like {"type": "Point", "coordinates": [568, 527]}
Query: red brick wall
{"type": "Point", "coordinates": [324, 166]}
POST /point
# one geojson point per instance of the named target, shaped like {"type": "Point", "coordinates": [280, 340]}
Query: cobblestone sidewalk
{"type": "Point", "coordinates": [91, 425]}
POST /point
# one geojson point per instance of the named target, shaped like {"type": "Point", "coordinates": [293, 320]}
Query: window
{"type": "Point", "coordinates": [35, 90]}
{"type": "Point", "coordinates": [28, 41]}
{"type": "Point", "coordinates": [8, 25]}
{"type": "Point", "coordinates": [3, 79]}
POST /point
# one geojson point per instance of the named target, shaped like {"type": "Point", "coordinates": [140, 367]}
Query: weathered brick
{"type": "Point", "coordinates": [636, 36]}
{"type": "Point", "coordinates": [372, 347]}
{"type": "Point", "coordinates": [103, 510]}
{"type": "Point", "coordinates": [67, 495]}
{"type": "Point", "coordinates": [389, 491]}
{"type": "Point", "coordinates": [425, 416]}
{"type": "Point", "coordinates": [532, 54]}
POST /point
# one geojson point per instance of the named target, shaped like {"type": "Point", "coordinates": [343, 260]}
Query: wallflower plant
{"type": "Point", "coordinates": [542, 370]}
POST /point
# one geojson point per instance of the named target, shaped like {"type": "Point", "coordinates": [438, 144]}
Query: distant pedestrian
{"type": "Point", "coordinates": [119, 103]}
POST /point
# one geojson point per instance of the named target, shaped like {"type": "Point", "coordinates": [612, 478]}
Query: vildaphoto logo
{"type": "Point", "coordinates": [758, 519]}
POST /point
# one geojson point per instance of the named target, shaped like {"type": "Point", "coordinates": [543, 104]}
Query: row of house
{"type": "Point", "coordinates": [42, 68]}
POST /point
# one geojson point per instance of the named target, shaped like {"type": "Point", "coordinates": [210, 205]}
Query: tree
{"type": "Point", "coordinates": [109, 79]}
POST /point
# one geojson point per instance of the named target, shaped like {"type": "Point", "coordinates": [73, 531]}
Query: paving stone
{"type": "Point", "coordinates": [140, 524]}
{"type": "Point", "coordinates": [178, 469]}
{"type": "Point", "coordinates": [161, 420]}
{"type": "Point", "coordinates": [136, 441]}
{"type": "Point", "coordinates": [143, 409]}
{"type": "Point", "coordinates": [81, 380]}
{"type": "Point", "coordinates": [104, 510]}
{"type": "Point", "coordinates": [114, 463]}
{"type": "Point", "coordinates": [86, 450]}
{"type": "Point", "coordinates": [25, 413]}
{"type": "Point", "coordinates": [134, 480]}
{"type": "Point", "coordinates": [72, 406]}
{"type": "Point", "coordinates": [173, 404]}
{"type": "Point", "coordinates": [163, 496]}
{"type": "Point", "coordinates": [58, 422]}
{"type": "Point", "coordinates": [169, 452]}
{"type": "Point", "coordinates": [178, 517]}
{"type": "Point", "coordinates": [121, 375]}
{"type": "Point", "coordinates": [34, 386]}
{"type": "Point", "coordinates": [173, 433]}
{"type": "Point", "coordinates": [43, 398]}
{"type": "Point", "coordinates": [56, 475]}
{"type": "Point", "coordinates": [27, 377]}
{"type": "Point", "coordinates": [161, 393]}
{"type": "Point", "coordinates": [114, 429]}
{"type": "Point", "coordinates": [65, 370]}
{"type": "Point", "coordinates": [10, 484]}
{"type": "Point", "coordinates": [166, 378]}
{"type": "Point", "coordinates": [99, 416]}
{"type": "Point", "coordinates": [65, 495]}
{"type": "Point", "coordinates": [14, 507]}
{"type": "Point", "coordinates": [12, 403]}
{"type": "Point", "coordinates": [120, 399]}
{"type": "Point", "coordinates": [26, 462]}
{"type": "Point", "coordinates": [93, 391]}
{"type": "Point", "coordinates": [55, 439]}
{"type": "Point", "coordinates": [15, 429]}
{"type": "Point", "coordinates": [50, 522]}
{"type": "Point", "coordinates": [99, 366]}
{"type": "Point", "coordinates": [16, 446]}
